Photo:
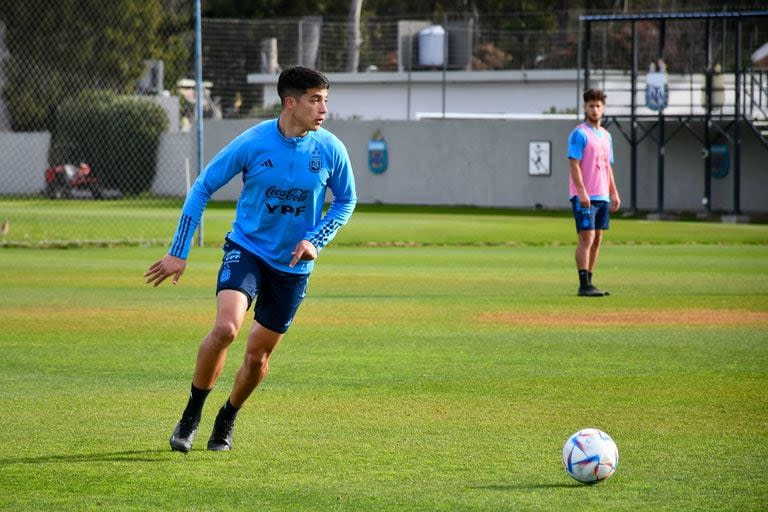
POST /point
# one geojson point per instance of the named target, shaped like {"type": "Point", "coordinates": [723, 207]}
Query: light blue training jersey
{"type": "Point", "coordinates": [284, 188]}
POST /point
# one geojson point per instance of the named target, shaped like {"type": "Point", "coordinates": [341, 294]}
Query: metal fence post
{"type": "Point", "coordinates": [199, 100]}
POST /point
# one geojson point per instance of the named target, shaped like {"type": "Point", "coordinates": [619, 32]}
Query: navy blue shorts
{"type": "Point", "coordinates": [278, 294]}
{"type": "Point", "coordinates": [597, 216]}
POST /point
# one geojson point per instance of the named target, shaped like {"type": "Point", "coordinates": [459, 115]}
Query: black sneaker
{"type": "Point", "coordinates": [221, 436]}
{"type": "Point", "coordinates": [184, 435]}
{"type": "Point", "coordinates": [604, 292]}
{"type": "Point", "coordinates": [590, 291]}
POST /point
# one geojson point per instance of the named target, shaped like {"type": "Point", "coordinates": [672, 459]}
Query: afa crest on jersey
{"type": "Point", "coordinates": [315, 162]}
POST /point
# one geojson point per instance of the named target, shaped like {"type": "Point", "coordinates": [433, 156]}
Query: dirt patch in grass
{"type": "Point", "coordinates": [713, 317]}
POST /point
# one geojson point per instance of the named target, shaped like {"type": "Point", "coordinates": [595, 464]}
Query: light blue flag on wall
{"type": "Point", "coordinates": [378, 158]}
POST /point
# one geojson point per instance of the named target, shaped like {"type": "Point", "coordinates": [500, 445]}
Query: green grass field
{"type": "Point", "coordinates": [439, 363]}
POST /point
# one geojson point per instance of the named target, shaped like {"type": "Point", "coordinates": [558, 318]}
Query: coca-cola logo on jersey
{"type": "Point", "coordinates": [289, 194]}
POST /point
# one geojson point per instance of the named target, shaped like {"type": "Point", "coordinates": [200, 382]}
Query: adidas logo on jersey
{"type": "Point", "coordinates": [267, 163]}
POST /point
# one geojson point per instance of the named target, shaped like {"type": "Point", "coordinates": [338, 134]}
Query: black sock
{"type": "Point", "coordinates": [589, 274]}
{"type": "Point", "coordinates": [584, 278]}
{"type": "Point", "coordinates": [196, 401]}
{"type": "Point", "coordinates": [229, 410]}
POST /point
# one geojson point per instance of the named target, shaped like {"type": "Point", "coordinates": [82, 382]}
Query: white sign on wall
{"type": "Point", "coordinates": [539, 158]}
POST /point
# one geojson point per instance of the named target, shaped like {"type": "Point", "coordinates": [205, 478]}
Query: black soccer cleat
{"type": "Point", "coordinates": [184, 435]}
{"type": "Point", "coordinates": [590, 291]}
{"type": "Point", "coordinates": [221, 436]}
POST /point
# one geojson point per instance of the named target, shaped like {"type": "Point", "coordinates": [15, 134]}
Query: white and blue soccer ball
{"type": "Point", "coordinates": [590, 456]}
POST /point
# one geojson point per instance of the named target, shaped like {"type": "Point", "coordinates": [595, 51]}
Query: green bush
{"type": "Point", "coordinates": [116, 135]}
{"type": "Point", "coordinates": [57, 49]}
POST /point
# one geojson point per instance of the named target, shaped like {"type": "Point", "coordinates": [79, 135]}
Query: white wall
{"type": "Point", "coordinates": [485, 163]}
{"type": "Point", "coordinates": [403, 96]}
{"type": "Point", "coordinates": [176, 164]}
{"type": "Point", "coordinates": [448, 162]}
{"type": "Point", "coordinates": [23, 160]}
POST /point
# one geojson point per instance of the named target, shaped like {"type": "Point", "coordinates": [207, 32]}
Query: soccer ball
{"type": "Point", "coordinates": [590, 456]}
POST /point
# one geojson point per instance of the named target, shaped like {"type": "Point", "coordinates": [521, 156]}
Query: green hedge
{"type": "Point", "coordinates": [117, 135]}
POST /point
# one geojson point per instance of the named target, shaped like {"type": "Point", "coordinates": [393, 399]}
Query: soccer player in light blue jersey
{"type": "Point", "coordinates": [286, 165]}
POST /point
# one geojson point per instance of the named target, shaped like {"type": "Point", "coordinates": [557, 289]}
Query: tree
{"type": "Point", "coordinates": [273, 8]}
{"type": "Point", "coordinates": [56, 49]}
{"type": "Point", "coordinates": [353, 54]}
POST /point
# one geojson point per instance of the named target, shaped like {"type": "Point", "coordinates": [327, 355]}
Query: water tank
{"type": "Point", "coordinates": [432, 46]}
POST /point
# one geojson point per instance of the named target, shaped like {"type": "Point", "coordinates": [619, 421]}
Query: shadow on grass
{"type": "Point", "coordinates": [157, 455]}
{"type": "Point", "coordinates": [531, 486]}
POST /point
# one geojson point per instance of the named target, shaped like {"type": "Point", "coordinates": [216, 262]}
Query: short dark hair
{"type": "Point", "coordinates": [594, 95]}
{"type": "Point", "coordinates": [295, 81]}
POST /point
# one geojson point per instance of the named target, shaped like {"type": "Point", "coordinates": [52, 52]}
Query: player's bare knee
{"type": "Point", "coordinates": [257, 361]}
{"type": "Point", "coordinates": [224, 333]}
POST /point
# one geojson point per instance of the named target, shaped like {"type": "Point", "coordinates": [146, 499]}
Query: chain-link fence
{"type": "Point", "coordinates": [236, 48]}
{"type": "Point", "coordinates": [98, 97]}
{"type": "Point", "coordinates": [452, 42]}
{"type": "Point", "coordinates": [92, 142]}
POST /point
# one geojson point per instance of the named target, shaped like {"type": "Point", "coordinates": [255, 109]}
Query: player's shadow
{"type": "Point", "coordinates": [121, 456]}
{"type": "Point", "coordinates": [519, 487]}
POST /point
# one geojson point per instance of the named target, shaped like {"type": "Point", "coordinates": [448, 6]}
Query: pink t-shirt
{"type": "Point", "coordinates": [593, 148]}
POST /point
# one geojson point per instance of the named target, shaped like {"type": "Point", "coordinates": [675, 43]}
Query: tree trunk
{"type": "Point", "coordinates": [353, 52]}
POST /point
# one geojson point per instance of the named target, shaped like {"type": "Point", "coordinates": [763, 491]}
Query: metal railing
{"type": "Point", "coordinates": [755, 98]}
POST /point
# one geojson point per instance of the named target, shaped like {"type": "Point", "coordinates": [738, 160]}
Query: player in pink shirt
{"type": "Point", "coordinates": [592, 187]}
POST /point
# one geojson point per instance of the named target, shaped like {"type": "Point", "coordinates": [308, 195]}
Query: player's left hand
{"type": "Point", "coordinates": [615, 202]}
{"type": "Point", "coordinates": [304, 250]}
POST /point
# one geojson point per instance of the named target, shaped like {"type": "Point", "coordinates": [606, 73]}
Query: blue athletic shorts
{"type": "Point", "coordinates": [597, 216]}
{"type": "Point", "coordinates": [278, 294]}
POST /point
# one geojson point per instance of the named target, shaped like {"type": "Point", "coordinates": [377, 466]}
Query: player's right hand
{"type": "Point", "coordinates": [584, 200]}
{"type": "Point", "coordinates": [168, 266]}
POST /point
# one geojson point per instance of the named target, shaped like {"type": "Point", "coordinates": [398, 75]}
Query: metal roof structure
{"type": "Point", "coordinates": [733, 123]}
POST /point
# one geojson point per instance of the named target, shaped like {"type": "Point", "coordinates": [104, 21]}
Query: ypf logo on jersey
{"type": "Point", "coordinates": [287, 196]}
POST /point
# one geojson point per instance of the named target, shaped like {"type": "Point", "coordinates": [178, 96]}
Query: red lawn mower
{"type": "Point", "coordinates": [62, 180]}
